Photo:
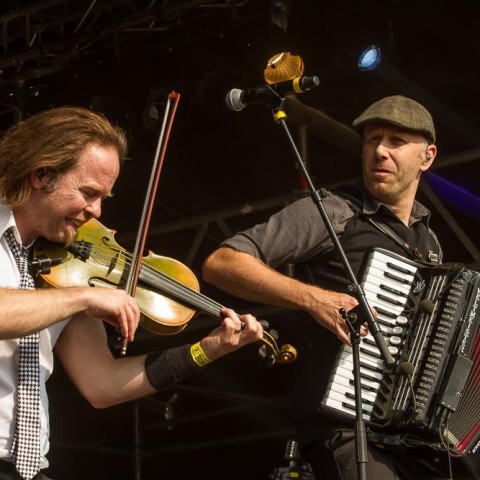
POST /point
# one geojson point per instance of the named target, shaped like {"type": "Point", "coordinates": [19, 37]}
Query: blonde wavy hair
{"type": "Point", "coordinates": [52, 140]}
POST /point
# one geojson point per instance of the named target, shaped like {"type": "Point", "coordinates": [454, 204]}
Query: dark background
{"type": "Point", "coordinates": [224, 171]}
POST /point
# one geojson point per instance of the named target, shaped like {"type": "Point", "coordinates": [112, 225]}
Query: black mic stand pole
{"type": "Point", "coordinates": [360, 432]}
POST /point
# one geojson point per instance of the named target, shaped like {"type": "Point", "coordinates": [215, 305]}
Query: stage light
{"type": "Point", "coordinates": [370, 58]}
{"type": "Point", "coordinates": [455, 195]}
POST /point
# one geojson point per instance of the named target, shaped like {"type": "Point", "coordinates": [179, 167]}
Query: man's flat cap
{"type": "Point", "coordinates": [400, 111]}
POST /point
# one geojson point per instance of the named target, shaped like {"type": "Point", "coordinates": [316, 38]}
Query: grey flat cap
{"type": "Point", "coordinates": [400, 111]}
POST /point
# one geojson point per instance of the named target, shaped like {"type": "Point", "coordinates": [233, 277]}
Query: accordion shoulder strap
{"type": "Point", "coordinates": [390, 233]}
{"type": "Point", "coordinates": [357, 203]}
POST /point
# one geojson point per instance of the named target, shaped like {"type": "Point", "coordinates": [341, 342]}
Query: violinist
{"type": "Point", "coordinates": [56, 168]}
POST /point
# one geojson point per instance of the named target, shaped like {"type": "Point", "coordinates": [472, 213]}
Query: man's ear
{"type": "Point", "coordinates": [430, 155]}
{"type": "Point", "coordinates": [37, 177]}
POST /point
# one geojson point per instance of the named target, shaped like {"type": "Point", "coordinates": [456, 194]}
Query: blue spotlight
{"type": "Point", "coordinates": [370, 58]}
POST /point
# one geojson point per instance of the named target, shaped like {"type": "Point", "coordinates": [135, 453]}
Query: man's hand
{"type": "Point", "coordinates": [325, 308]}
{"type": "Point", "coordinates": [115, 307]}
{"type": "Point", "coordinates": [233, 333]}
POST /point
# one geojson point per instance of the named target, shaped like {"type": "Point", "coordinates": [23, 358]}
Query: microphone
{"type": "Point", "coordinates": [269, 95]}
{"type": "Point", "coordinates": [42, 264]}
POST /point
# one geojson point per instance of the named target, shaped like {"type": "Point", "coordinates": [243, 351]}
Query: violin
{"type": "Point", "coordinates": [167, 291]}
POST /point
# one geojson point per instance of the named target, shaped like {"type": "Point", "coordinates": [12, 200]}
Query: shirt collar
{"type": "Point", "coordinates": [7, 220]}
{"type": "Point", "coordinates": [371, 206]}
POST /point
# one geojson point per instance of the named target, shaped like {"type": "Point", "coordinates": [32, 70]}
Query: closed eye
{"type": "Point", "coordinates": [92, 194]}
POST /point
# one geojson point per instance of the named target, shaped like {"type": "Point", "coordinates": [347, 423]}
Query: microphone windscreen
{"type": "Point", "coordinates": [234, 100]}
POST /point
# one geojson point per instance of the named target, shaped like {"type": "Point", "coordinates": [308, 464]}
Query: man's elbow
{"type": "Point", "coordinates": [100, 399]}
{"type": "Point", "coordinates": [210, 268]}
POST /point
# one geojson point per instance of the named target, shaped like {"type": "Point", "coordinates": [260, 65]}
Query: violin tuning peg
{"type": "Point", "coordinates": [265, 325]}
{"type": "Point", "coordinates": [264, 355]}
{"type": "Point", "coordinates": [262, 352]}
{"type": "Point", "coordinates": [274, 334]}
{"type": "Point", "coordinates": [270, 362]}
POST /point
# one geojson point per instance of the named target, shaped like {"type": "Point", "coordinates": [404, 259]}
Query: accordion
{"type": "Point", "coordinates": [430, 318]}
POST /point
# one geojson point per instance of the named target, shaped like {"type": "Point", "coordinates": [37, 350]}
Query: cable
{"type": "Point", "coordinates": [447, 450]}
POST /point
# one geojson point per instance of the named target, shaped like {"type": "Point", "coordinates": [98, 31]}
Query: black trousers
{"type": "Point", "coordinates": [337, 460]}
{"type": "Point", "coordinates": [9, 472]}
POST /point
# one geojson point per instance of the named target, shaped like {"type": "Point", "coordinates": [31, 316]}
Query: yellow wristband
{"type": "Point", "coordinates": [198, 355]}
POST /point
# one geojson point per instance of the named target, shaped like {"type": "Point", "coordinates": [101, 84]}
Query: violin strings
{"type": "Point", "coordinates": [179, 290]}
{"type": "Point", "coordinates": [152, 276]}
{"type": "Point", "coordinates": [102, 255]}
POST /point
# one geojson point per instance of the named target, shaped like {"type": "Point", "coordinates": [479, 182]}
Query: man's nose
{"type": "Point", "coordinates": [381, 150]}
{"type": "Point", "coordinates": [94, 208]}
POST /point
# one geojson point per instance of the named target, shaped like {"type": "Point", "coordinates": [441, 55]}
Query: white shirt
{"type": "Point", "coordinates": [10, 277]}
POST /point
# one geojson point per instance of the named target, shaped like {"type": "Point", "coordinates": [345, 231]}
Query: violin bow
{"type": "Point", "coordinates": [137, 254]}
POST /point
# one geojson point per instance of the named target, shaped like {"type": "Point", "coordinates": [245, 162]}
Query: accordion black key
{"type": "Point", "coordinates": [430, 317]}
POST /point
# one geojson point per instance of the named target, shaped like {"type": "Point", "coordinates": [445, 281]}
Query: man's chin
{"type": "Point", "coordinates": [70, 236]}
{"type": "Point", "coordinates": [376, 186]}
{"type": "Point", "coordinates": [380, 191]}
{"type": "Point", "coordinates": [66, 238]}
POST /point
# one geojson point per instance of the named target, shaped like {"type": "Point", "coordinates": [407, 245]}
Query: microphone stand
{"type": "Point", "coordinates": [360, 432]}
{"type": "Point", "coordinates": [276, 103]}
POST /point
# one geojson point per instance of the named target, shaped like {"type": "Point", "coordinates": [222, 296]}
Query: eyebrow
{"type": "Point", "coordinates": [109, 195]}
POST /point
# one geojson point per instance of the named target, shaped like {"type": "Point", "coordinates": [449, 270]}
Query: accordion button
{"type": "Point", "coordinates": [395, 340]}
{"type": "Point", "coordinates": [393, 350]}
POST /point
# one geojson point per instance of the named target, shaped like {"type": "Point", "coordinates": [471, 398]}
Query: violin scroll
{"type": "Point", "coordinates": [270, 351]}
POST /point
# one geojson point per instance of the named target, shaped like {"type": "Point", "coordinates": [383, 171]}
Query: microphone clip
{"type": "Point", "coordinates": [353, 319]}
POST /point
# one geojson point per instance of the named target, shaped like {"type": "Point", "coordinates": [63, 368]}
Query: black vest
{"type": "Point", "coordinates": [359, 237]}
